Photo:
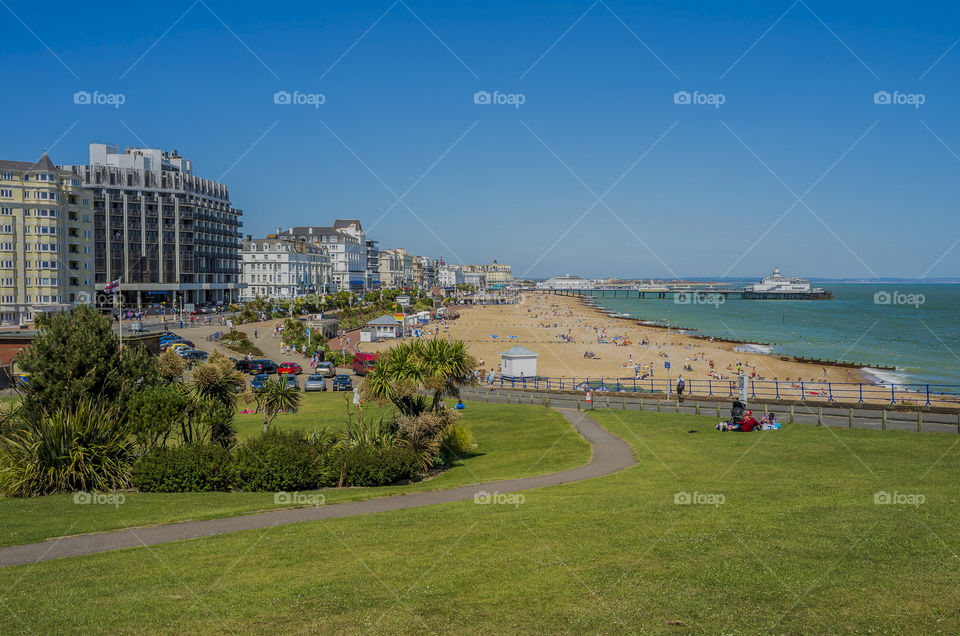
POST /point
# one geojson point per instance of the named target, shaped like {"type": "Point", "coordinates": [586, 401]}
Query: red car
{"type": "Point", "coordinates": [290, 367]}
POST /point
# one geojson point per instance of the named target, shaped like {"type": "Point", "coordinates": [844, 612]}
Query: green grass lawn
{"type": "Point", "coordinates": [798, 545]}
{"type": "Point", "coordinates": [514, 441]}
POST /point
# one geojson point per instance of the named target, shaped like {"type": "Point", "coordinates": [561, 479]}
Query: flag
{"type": "Point", "coordinates": [112, 287]}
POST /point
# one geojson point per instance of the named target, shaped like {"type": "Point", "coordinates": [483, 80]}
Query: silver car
{"type": "Point", "coordinates": [315, 382]}
{"type": "Point", "coordinates": [325, 369]}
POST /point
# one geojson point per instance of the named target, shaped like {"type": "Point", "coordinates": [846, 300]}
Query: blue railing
{"type": "Point", "coordinates": [859, 392]}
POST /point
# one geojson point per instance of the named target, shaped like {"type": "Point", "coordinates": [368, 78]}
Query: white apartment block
{"type": "Point", "coordinates": [347, 253]}
{"type": "Point", "coordinates": [278, 268]}
{"type": "Point", "coordinates": [450, 276]}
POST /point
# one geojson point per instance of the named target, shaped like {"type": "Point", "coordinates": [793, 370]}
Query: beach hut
{"type": "Point", "coordinates": [385, 326]}
{"type": "Point", "coordinates": [518, 362]}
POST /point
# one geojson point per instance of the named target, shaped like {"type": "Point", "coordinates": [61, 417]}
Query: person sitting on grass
{"type": "Point", "coordinates": [748, 423]}
{"type": "Point", "coordinates": [459, 406]}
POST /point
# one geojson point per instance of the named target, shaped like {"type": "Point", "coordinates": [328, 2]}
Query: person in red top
{"type": "Point", "coordinates": [748, 423]}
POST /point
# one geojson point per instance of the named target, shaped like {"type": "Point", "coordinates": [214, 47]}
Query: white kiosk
{"type": "Point", "coordinates": [518, 362]}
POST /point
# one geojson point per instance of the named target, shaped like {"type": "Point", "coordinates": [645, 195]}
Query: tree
{"type": "Point", "coordinates": [274, 397]}
{"type": "Point", "coordinates": [213, 392]}
{"type": "Point", "coordinates": [439, 366]}
{"type": "Point", "coordinates": [76, 356]}
{"type": "Point", "coordinates": [171, 366]}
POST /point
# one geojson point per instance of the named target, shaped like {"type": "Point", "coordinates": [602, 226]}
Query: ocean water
{"type": "Point", "coordinates": [912, 327]}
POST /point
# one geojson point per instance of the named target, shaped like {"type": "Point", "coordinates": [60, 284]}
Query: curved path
{"type": "Point", "coordinates": [610, 454]}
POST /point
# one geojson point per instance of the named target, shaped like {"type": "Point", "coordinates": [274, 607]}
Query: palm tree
{"type": "Point", "coordinates": [274, 397]}
{"type": "Point", "coordinates": [439, 366]}
{"type": "Point", "coordinates": [216, 380]}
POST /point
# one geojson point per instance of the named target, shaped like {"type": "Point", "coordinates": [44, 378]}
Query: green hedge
{"type": "Point", "coordinates": [187, 468]}
{"type": "Point", "coordinates": [279, 460]}
{"type": "Point", "coordinates": [368, 465]}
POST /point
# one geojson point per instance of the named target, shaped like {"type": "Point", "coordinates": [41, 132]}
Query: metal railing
{"type": "Point", "coordinates": [859, 392]}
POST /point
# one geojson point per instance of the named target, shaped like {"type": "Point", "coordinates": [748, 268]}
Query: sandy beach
{"type": "Point", "coordinates": [543, 322]}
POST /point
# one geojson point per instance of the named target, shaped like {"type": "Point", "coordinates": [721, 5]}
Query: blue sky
{"type": "Point", "coordinates": [697, 190]}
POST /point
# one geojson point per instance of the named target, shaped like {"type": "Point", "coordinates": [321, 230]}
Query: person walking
{"type": "Point", "coordinates": [680, 386]}
{"type": "Point", "coordinates": [256, 333]}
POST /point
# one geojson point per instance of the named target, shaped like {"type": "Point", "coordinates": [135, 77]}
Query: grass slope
{"type": "Point", "coordinates": [513, 441]}
{"type": "Point", "coordinates": [797, 546]}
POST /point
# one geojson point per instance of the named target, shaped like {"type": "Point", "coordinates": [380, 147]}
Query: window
{"type": "Point", "coordinates": [6, 228]}
{"type": "Point", "coordinates": [7, 282]}
{"type": "Point", "coordinates": [6, 211]}
{"type": "Point", "coordinates": [6, 175]}
{"type": "Point", "coordinates": [6, 247]}
{"type": "Point", "coordinates": [7, 299]}
{"type": "Point", "coordinates": [6, 194]}
{"type": "Point", "coordinates": [86, 202]}
{"type": "Point", "coordinates": [6, 264]}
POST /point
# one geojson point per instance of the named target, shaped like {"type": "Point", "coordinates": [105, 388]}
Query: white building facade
{"type": "Point", "coordinates": [283, 268]}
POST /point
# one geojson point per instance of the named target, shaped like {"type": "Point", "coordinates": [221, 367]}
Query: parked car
{"type": "Point", "coordinates": [315, 382]}
{"type": "Point", "coordinates": [196, 355]}
{"type": "Point", "coordinates": [291, 382]}
{"type": "Point", "coordinates": [290, 367]}
{"type": "Point", "coordinates": [243, 366]}
{"type": "Point", "coordinates": [326, 369]}
{"type": "Point", "coordinates": [262, 366]}
{"type": "Point", "coordinates": [363, 362]}
{"type": "Point", "coordinates": [259, 381]}
{"type": "Point", "coordinates": [342, 383]}
{"type": "Point", "coordinates": [179, 344]}
{"type": "Point", "coordinates": [185, 352]}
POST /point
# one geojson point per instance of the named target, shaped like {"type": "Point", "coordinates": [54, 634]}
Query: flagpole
{"type": "Point", "coordinates": [119, 298]}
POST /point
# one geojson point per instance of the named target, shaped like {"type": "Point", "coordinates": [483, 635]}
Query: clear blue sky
{"type": "Point", "coordinates": [703, 201]}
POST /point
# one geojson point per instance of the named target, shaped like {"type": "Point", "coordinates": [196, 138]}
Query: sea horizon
{"type": "Point", "coordinates": [909, 327]}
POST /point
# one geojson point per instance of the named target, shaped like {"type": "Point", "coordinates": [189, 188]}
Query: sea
{"type": "Point", "coordinates": [914, 329]}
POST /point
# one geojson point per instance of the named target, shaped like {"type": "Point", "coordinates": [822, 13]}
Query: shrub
{"type": "Point", "coordinates": [368, 465]}
{"type": "Point", "coordinates": [279, 460]}
{"type": "Point", "coordinates": [186, 468]}
{"type": "Point", "coordinates": [422, 434]}
{"type": "Point", "coordinates": [457, 442]}
{"type": "Point", "coordinates": [84, 448]}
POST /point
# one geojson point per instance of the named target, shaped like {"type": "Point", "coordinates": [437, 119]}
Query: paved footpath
{"type": "Point", "coordinates": [610, 454]}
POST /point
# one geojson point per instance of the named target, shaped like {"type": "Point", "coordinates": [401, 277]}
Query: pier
{"type": "Point", "coordinates": [683, 294]}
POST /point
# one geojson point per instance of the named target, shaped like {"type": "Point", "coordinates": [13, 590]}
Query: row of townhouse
{"type": "Point", "coordinates": [342, 258]}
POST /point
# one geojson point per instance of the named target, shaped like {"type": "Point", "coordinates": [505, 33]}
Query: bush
{"type": "Point", "coordinates": [237, 341]}
{"type": "Point", "coordinates": [186, 468]}
{"type": "Point", "coordinates": [368, 465]}
{"type": "Point", "coordinates": [457, 442]}
{"type": "Point", "coordinates": [280, 460]}
{"type": "Point", "coordinates": [85, 448]}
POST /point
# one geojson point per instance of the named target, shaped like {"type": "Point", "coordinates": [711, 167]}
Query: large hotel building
{"type": "Point", "coordinates": [166, 234]}
{"type": "Point", "coordinates": [46, 240]}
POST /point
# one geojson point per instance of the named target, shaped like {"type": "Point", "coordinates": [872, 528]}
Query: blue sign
{"type": "Point", "coordinates": [666, 365]}
{"type": "Point", "coordinates": [308, 332]}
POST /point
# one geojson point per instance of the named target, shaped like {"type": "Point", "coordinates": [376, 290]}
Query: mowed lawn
{"type": "Point", "coordinates": [513, 441]}
{"type": "Point", "coordinates": [783, 535]}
